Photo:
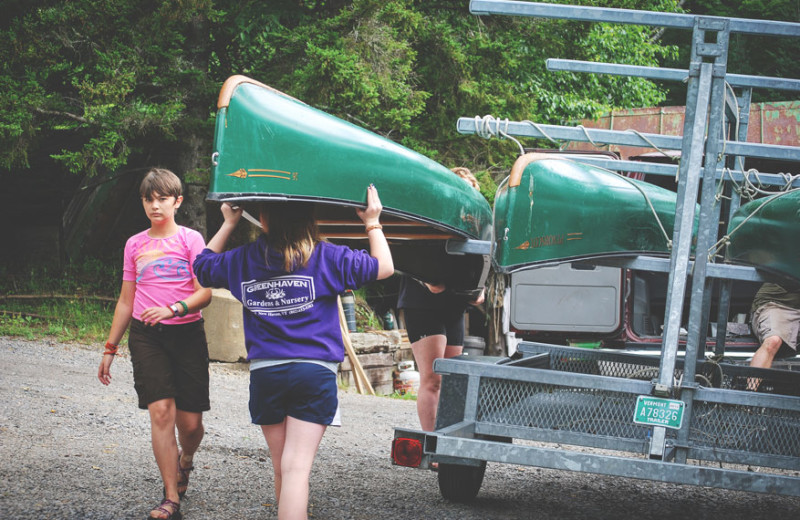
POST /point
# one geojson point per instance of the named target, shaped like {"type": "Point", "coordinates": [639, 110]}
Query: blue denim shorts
{"type": "Point", "coordinates": [305, 391]}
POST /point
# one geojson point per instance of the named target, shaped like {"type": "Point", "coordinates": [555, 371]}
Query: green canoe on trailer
{"type": "Point", "coordinates": [765, 233]}
{"type": "Point", "coordinates": [270, 146]}
{"type": "Point", "coordinates": [551, 210]}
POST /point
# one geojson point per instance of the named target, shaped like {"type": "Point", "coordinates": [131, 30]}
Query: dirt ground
{"type": "Point", "coordinates": [74, 449]}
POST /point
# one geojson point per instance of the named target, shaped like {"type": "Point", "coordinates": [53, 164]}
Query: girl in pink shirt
{"type": "Point", "coordinates": [161, 300]}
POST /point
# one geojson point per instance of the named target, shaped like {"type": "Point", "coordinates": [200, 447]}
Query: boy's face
{"type": "Point", "coordinates": [161, 208]}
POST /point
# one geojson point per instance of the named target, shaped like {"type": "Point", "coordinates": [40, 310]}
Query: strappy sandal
{"type": "Point", "coordinates": [172, 510]}
{"type": "Point", "coordinates": [183, 476]}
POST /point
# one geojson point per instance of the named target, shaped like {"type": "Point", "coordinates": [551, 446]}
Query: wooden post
{"type": "Point", "coordinates": [359, 376]}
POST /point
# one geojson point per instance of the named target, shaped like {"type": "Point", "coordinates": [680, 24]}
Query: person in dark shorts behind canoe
{"type": "Point", "coordinates": [434, 318]}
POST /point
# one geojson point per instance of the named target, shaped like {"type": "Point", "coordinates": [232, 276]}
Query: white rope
{"type": "Point", "coordinates": [588, 137]}
{"type": "Point", "coordinates": [749, 190]}
{"type": "Point", "coordinates": [538, 127]}
{"type": "Point", "coordinates": [649, 204]}
{"type": "Point", "coordinates": [483, 127]}
{"type": "Point", "coordinates": [728, 87]}
{"type": "Point", "coordinates": [726, 239]}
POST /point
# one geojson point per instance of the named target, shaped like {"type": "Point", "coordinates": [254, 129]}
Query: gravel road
{"type": "Point", "coordinates": [71, 448]}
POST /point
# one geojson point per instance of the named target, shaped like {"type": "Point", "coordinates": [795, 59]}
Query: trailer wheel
{"type": "Point", "coordinates": [459, 483]}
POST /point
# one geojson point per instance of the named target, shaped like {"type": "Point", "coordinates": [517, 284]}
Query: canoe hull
{"type": "Point", "coordinates": [765, 233]}
{"type": "Point", "coordinates": [552, 210]}
{"type": "Point", "coordinates": [269, 146]}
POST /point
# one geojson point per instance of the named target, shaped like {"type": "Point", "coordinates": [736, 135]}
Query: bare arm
{"type": "Point", "coordinates": [231, 216]}
{"type": "Point", "coordinates": [378, 246]}
{"type": "Point", "coordinates": [123, 313]}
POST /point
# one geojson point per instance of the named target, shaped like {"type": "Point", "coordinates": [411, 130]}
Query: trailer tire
{"type": "Point", "coordinates": [459, 483]}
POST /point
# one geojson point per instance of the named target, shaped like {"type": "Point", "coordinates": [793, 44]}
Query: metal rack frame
{"type": "Point", "coordinates": [487, 402]}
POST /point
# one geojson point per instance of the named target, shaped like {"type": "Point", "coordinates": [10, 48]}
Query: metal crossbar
{"type": "Point", "coordinates": [626, 16]}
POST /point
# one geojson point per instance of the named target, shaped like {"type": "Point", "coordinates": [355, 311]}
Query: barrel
{"type": "Point", "coordinates": [474, 346]}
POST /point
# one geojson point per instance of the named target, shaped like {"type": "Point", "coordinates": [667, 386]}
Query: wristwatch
{"type": "Point", "coordinates": [175, 309]}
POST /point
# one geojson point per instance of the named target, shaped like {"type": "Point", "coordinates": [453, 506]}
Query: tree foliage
{"type": "Point", "coordinates": [106, 77]}
{"type": "Point", "coordinates": [747, 53]}
{"type": "Point", "coordinates": [127, 82]}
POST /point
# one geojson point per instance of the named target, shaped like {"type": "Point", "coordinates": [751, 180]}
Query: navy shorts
{"type": "Point", "coordinates": [421, 323]}
{"type": "Point", "coordinates": [170, 361]}
{"type": "Point", "coordinates": [305, 391]}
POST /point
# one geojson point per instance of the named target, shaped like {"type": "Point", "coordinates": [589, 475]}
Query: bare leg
{"type": "Point", "coordinates": [426, 351]}
{"type": "Point", "coordinates": [293, 445]}
{"type": "Point", "coordinates": [275, 435]}
{"type": "Point", "coordinates": [165, 447]}
{"type": "Point", "coordinates": [766, 352]}
{"type": "Point", "coordinates": [190, 434]}
{"type": "Point", "coordinates": [763, 357]}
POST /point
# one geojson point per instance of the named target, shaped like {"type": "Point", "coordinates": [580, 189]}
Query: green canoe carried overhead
{"type": "Point", "coordinates": [551, 210]}
{"type": "Point", "coordinates": [270, 146]}
{"type": "Point", "coordinates": [765, 233]}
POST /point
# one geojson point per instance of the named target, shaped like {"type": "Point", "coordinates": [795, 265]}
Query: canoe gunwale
{"type": "Point", "coordinates": [232, 83]}
{"type": "Point", "coordinates": [627, 255]}
{"type": "Point", "coordinates": [439, 231]}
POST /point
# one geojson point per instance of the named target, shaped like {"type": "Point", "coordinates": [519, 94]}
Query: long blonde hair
{"type": "Point", "coordinates": [291, 228]}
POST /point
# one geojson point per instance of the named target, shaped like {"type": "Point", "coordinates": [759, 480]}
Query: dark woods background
{"type": "Point", "coordinates": [93, 92]}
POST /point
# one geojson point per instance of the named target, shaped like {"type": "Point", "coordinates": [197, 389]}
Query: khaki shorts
{"type": "Point", "coordinates": [170, 361]}
{"type": "Point", "coordinates": [774, 319]}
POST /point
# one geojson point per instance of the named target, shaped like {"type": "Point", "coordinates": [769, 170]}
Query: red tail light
{"type": "Point", "coordinates": [407, 452]}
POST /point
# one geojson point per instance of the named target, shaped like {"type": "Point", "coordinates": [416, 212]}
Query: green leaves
{"type": "Point", "coordinates": [117, 81]}
{"type": "Point", "coordinates": [108, 78]}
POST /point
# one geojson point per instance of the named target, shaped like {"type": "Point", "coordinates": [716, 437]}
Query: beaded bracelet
{"type": "Point", "coordinates": [111, 349]}
{"type": "Point", "coordinates": [373, 226]}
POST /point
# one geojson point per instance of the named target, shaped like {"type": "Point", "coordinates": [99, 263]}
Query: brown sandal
{"type": "Point", "coordinates": [183, 476]}
{"type": "Point", "coordinates": [170, 508]}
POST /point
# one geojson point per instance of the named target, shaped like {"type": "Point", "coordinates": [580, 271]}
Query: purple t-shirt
{"type": "Point", "coordinates": [162, 270]}
{"type": "Point", "coordinates": [288, 315]}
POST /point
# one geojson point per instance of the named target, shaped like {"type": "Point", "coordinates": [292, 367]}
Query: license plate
{"type": "Point", "coordinates": [656, 411]}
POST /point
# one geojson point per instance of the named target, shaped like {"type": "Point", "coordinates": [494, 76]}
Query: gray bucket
{"type": "Point", "coordinates": [474, 346]}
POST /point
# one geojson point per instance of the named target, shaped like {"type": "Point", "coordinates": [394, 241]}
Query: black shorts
{"type": "Point", "coordinates": [421, 323]}
{"type": "Point", "coordinates": [170, 361]}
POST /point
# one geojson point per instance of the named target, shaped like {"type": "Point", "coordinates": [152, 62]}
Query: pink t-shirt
{"type": "Point", "coordinates": [162, 270]}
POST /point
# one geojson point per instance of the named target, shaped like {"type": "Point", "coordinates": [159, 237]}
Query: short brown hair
{"type": "Point", "coordinates": [161, 181]}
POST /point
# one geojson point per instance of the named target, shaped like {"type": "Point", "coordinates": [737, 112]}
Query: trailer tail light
{"type": "Point", "coordinates": [407, 452]}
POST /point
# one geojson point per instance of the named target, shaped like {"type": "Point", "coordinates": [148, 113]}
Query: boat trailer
{"type": "Point", "coordinates": [675, 416]}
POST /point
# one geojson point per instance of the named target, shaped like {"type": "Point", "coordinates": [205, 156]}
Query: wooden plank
{"type": "Point", "coordinates": [362, 382]}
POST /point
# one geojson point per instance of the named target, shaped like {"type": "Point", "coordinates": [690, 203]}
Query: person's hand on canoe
{"type": "Point", "coordinates": [230, 213]}
{"type": "Point", "coordinates": [371, 215]}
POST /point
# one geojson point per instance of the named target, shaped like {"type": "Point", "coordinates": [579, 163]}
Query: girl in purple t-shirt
{"type": "Point", "coordinates": [288, 282]}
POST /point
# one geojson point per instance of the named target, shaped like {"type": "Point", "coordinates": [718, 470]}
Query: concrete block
{"type": "Point", "coordinates": [224, 328]}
